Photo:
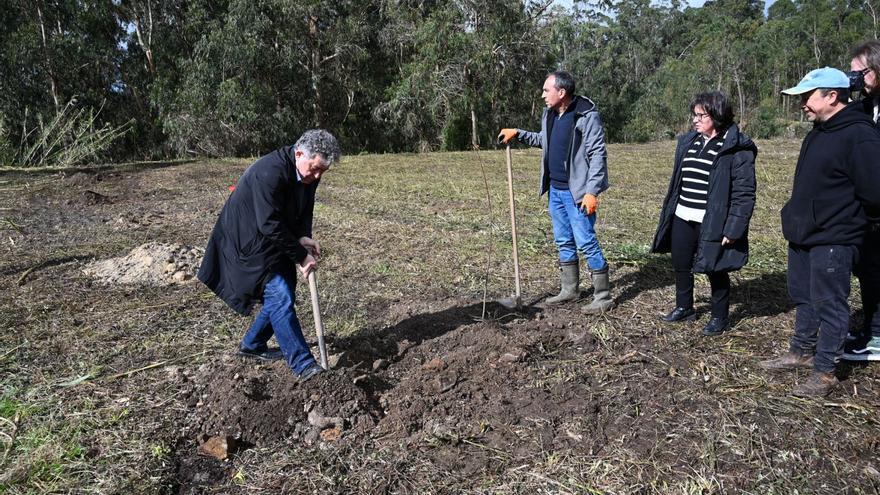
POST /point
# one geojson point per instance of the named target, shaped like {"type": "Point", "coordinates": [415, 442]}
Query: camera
{"type": "Point", "coordinates": [856, 79]}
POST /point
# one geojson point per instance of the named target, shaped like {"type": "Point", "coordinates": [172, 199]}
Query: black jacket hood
{"type": "Point", "coordinates": [852, 114]}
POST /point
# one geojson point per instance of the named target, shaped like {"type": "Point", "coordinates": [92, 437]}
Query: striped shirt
{"type": "Point", "coordinates": [694, 186]}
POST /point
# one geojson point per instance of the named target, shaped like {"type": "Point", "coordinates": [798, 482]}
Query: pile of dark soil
{"type": "Point", "coordinates": [261, 404]}
{"type": "Point", "coordinates": [475, 383]}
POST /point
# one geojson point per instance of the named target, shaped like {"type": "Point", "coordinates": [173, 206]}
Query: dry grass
{"type": "Point", "coordinates": [402, 234]}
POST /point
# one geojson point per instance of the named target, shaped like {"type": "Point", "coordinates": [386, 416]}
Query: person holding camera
{"type": "Point", "coordinates": [865, 77]}
{"type": "Point", "coordinates": [824, 222]}
{"type": "Point", "coordinates": [705, 217]}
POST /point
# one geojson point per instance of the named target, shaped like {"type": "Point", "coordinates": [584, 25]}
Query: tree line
{"type": "Point", "coordinates": [149, 79]}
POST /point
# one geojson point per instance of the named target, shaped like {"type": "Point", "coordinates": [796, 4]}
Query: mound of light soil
{"type": "Point", "coordinates": [152, 263]}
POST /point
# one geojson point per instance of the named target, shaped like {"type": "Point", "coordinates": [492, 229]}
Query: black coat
{"type": "Point", "coordinates": [258, 231]}
{"type": "Point", "coordinates": [836, 179]}
{"type": "Point", "coordinates": [873, 214]}
{"type": "Point", "coordinates": [729, 205]}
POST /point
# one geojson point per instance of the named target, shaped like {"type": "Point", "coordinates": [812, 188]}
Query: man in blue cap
{"type": "Point", "coordinates": [824, 223]}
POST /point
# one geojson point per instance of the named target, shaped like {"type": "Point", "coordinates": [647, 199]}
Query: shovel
{"type": "Point", "coordinates": [316, 311]}
{"type": "Point", "coordinates": [514, 302]}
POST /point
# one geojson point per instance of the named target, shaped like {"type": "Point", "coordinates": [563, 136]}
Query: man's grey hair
{"type": "Point", "coordinates": [320, 142]}
{"type": "Point", "coordinates": [564, 80]}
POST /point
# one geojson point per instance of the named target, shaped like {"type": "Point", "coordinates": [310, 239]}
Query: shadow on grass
{"type": "Point", "coordinates": [654, 273]}
{"type": "Point", "coordinates": [391, 343]}
{"type": "Point", "coordinates": [766, 295]}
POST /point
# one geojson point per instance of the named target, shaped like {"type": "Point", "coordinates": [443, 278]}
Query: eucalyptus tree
{"type": "Point", "coordinates": [466, 67]}
{"type": "Point", "coordinates": [263, 71]}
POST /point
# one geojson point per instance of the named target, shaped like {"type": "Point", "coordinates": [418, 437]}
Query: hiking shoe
{"type": "Point", "coordinates": [817, 385]}
{"type": "Point", "coordinates": [863, 351]}
{"type": "Point", "coordinates": [788, 361]}
{"type": "Point", "coordinates": [312, 370]}
{"type": "Point", "coordinates": [680, 314]}
{"type": "Point", "coordinates": [267, 354]}
{"type": "Point", "coordinates": [716, 326]}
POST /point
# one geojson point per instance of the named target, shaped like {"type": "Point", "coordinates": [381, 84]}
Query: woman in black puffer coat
{"type": "Point", "coordinates": [704, 222]}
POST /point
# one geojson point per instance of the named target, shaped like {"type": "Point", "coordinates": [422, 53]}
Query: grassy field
{"type": "Point", "coordinates": [99, 383]}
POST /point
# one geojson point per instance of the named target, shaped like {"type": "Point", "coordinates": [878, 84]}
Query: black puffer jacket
{"type": "Point", "coordinates": [729, 206]}
{"type": "Point", "coordinates": [258, 231]}
{"type": "Point", "coordinates": [837, 177]}
{"type": "Point", "coordinates": [868, 103]}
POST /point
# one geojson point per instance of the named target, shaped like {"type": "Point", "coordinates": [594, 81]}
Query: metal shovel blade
{"type": "Point", "coordinates": [512, 302]}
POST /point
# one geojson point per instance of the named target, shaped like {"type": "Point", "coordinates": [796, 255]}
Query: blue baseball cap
{"type": "Point", "coordinates": [825, 78]}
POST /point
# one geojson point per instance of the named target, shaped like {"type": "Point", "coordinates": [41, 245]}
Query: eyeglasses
{"type": "Point", "coordinates": [699, 116]}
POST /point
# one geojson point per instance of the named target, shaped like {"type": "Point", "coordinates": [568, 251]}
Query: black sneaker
{"type": "Point", "coordinates": [312, 370]}
{"type": "Point", "coordinates": [267, 354]}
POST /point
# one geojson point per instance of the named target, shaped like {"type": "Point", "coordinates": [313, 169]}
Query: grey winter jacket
{"type": "Point", "coordinates": [588, 159]}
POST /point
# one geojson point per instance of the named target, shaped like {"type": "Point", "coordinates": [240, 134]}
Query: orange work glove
{"type": "Point", "coordinates": [589, 203]}
{"type": "Point", "coordinates": [506, 135]}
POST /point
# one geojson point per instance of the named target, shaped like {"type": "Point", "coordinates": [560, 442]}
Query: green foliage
{"type": "Point", "coordinates": [766, 123]}
{"type": "Point", "coordinates": [241, 77]}
{"type": "Point", "coordinates": [72, 137]}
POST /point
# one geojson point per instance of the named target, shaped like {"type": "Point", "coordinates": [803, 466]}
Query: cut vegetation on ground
{"type": "Point", "coordinates": [117, 375]}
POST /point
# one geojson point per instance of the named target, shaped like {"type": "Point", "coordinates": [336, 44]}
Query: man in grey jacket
{"type": "Point", "coordinates": [574, 170]}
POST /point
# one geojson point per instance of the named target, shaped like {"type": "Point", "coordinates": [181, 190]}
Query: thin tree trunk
{"type": "Point", "coordinates": [739, 91]}
{"type": "Point", "coordinates": [475, 139]}
{"type": "Point", "coordinates": [146, 44]}
{"type": "Point", "coordinates": [53, 81]}
{"type": "Point", "coordinates": [315, 72]}
{"type": "Point", "coordinates": [873, 11]}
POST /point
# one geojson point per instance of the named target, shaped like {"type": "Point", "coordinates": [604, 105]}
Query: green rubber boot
{"type": "Point", "coordinates": [569, 274]}
{"type": "Point", "coordinates": [602, 301]}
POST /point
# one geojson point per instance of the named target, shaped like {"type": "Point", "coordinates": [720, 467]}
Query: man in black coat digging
{"type": "Point", "coordinates": [264, 229]}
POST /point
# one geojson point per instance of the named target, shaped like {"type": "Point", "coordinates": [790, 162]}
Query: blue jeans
{"type": "Point", "coordinates": [278, 316]}
{"type": "Point", "coordinates": [573, 230]}
{"type": "Point", "coordinates": [819, 285]}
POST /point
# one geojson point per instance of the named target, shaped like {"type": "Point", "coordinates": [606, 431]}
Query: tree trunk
{"type": "Point", "coordinates": [53, 80]}
{"type": "Point", "coordinates": [475, 139]}
{"type": "Point", "coordinates": [739, 91]}
{"type": "Point", "coordinates": [146, 44]}
{"type": "Point", "coordinates": [873, 10]}
{"type": "Point", "coordinates": [317, 107]}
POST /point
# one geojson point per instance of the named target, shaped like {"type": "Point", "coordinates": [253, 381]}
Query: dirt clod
{"type": "Point", "coordinates": [218, 447]}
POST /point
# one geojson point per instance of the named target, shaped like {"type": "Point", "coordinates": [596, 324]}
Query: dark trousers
{"type": "Point", "coordinates": [868, 272]}
{"type": "Point", "coordinates": [685, 238]}
{"type": "Point", "coordinates": [819, 285]}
